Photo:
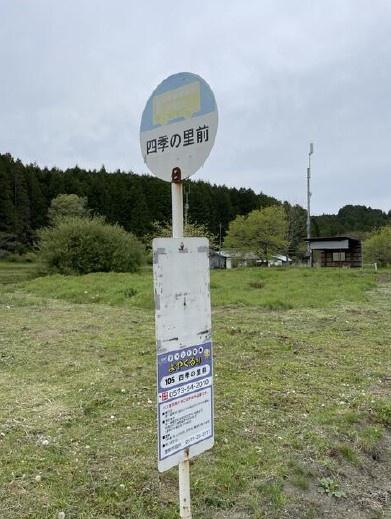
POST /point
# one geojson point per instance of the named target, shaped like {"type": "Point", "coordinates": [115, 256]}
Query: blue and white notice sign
{"type": "Point", "coordinates": [178, 126]}
{"type": "Point", "coordinates": [184, 349]}
{"type": "Point", "coordinates": [185, 396]}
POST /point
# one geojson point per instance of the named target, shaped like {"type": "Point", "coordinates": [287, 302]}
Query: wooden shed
{"type": "Point", "coordinates": [217, 260]}
{"type": "Point", "coordinates": [338, 251]}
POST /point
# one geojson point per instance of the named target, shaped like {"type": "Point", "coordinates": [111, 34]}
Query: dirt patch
{"type": "Point", "coordinates": [367, 486]}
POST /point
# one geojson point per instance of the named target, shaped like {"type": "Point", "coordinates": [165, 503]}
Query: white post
{"type": "Point", "coordinates": [184, 490]}
{"type": "Point", "coordinates": [309, 251]}
{"type": "Point", "coordinates": [184, 466]}
{"type": "Point", "coordinates": [177, 209]}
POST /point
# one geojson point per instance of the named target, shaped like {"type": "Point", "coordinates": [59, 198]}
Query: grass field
{"type": "Point", "coordinates": [302, 403]}
{"type": "Point", "coordinates": [15, 272]}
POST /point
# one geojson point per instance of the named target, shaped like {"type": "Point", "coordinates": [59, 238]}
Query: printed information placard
{"type": "Point", "coordinates": [185, 396]}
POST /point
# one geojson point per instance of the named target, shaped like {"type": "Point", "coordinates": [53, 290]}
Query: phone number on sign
{"type": "Point", "coordinates": [184, 390]}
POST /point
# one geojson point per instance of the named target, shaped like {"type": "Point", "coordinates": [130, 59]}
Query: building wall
{"type": "Point", "coordinates": [217, 262]}
{"type": "Point", "coordinates": [353, 256]}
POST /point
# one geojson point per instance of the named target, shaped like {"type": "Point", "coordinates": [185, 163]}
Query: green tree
{"type": "Point", "coordinates": [7, 214]}
{"type": "Point", "coordinates": [138, 211]}
{"type": "Point", "coordinates": [6, 199]}
{"type": "Point", "coordinates": [67, 205]}
{"type": "Point", "coordinates": [201, 211]}
{"type": "Point", "coordinates": [38, 204]}
{"type": "Point", "coordinates": [223, 209]}
{"type": "Point", "coordinates": [296, 218]}
{"type": "Point", "coordinates": [377, 248]}
{"type": "Point", "coordinates": [362, 218]}
{"type": "Point", "coordinates": [22, 222]}
{"type": "Point", "coordinates": [262, 231]}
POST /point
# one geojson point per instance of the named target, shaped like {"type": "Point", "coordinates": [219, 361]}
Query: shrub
{"type": "Point", "coordinates": [79, 245]}
{"type": "Point", "coordinates": [377, 248]}
{"type": "Point", "coordinates": [27, 257]}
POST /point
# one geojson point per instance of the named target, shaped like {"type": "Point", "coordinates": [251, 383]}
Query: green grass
{"type": "Point", "coordinates": [113, 288]}
{"type": "Point", "coordinates": [274, 289]}
{"type": "Point", "coordinates": [16, 272]}
{"type": "Point", "coordinates": [301, 394]}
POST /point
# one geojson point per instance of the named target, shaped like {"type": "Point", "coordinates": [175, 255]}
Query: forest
{"type": "Point", "coordinates": [137, 202]}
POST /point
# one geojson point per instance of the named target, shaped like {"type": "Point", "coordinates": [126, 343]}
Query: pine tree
{"type": "Point", "coordinates": [6, 198]}
{"type": "Point", "coordinates": [140, 218]}
{"type": "Point", "coordinates": [22, 211]}
{"type": "Point", "coordinates": [38, 204]}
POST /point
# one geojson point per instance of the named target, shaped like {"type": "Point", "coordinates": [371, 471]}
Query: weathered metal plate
{"type": "Point", "coordinates": [184, 348]}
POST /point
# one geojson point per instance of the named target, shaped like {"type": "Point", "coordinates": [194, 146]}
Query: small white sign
{"type": "Point", "coordinates": [184, 349]}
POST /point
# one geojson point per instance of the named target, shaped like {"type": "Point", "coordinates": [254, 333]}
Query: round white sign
{"type": "Point", "coordinates": [178, 126]}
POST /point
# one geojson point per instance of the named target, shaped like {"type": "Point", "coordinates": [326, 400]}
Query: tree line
{"type": "Point", "coordinates": [137, 202]}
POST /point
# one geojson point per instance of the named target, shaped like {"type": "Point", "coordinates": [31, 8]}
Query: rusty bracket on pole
{"type": "Point", "coordinates": [176, 175]}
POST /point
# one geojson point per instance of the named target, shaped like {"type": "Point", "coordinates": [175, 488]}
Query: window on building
{"type": "Point", "coordinates": [339, 256]}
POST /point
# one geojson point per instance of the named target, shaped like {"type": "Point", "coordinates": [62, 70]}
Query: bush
{"type": "Point", "coordinates": [27, 257]}
{"type": "Point", "coordinates": [79, 245]}
{"type": "Point", "coordinates": [377, 248]}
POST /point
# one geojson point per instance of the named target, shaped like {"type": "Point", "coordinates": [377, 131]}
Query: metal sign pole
{"type": "Point", "coordinates": [177, 132]}
{"type": "Point", "coordinates": [177, 203]}
{"type": "Point", "coordinates": [184, 489]}
{"type": "Point", "coordinates": [177, 232]}
{"type": "Point", "coordinates": [309, 194]}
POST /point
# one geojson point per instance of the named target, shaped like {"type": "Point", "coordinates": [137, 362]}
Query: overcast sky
{"type": "Point", "coordinates": [76, 74]}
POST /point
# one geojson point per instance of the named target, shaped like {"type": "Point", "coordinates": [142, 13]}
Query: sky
{"type": "Point", "coordinates": [76, 75]}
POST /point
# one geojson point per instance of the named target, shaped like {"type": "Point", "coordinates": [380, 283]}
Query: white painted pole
{"type": "Point", "coordinates": [309, 252]}
{"type": "Point", "coordinates": [177, 209]}
{"type": "Point", "coordinates": [184, 490]}
{"type": "Point", "coordinates": [184, 466]}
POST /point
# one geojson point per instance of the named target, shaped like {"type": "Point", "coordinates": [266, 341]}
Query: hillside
{"type": "Point", "coordinates": [137, 201]}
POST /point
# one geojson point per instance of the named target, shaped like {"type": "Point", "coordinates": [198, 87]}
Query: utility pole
{"type": "Point", "coordinates": [309, 252]}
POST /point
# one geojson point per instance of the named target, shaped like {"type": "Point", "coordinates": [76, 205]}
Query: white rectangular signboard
{"type": "Point", "coordinates": [184, 349]}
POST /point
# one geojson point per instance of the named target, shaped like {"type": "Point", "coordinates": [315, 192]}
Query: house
{"type": "Point", "coordinates": [279, 261]}
{"type": "Point", "coordinates": [337, 251]}
{"type": "Point", "coordinates": [228, 259]}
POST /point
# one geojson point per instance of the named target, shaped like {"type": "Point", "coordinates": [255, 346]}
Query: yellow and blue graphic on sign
{"type": "Point", "coordinates": [178, 97]}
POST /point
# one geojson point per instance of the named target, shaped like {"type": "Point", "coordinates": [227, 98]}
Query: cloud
{"type": "Point", "coordinates": [77, 74]}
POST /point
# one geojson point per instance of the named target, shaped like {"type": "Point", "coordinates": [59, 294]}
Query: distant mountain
{"type": "Point", "coordinates": [351, 219]}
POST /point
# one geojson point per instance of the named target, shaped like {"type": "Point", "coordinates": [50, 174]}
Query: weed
{"type": "Point", "coordinates": [256, 284]}
{"type": "Point", "coordinates": [368, 439]}
{"type": "Point", "coordinates": [331, 487]}
{"type": "Point", "coordinates": [277, 304]}
{"type": "Point", "coordinates": [130, 292]}
{"type": "Point", "coordinates": [348, 453]}
{"type": "Point", "coordinates": [272, 492]}
{"type": "Point", "coordinates": [381, 412]}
